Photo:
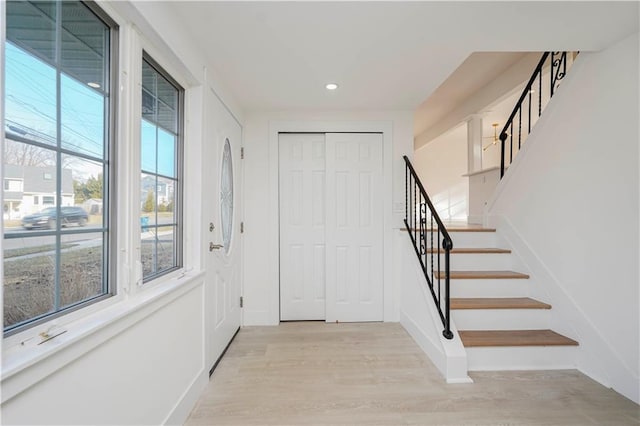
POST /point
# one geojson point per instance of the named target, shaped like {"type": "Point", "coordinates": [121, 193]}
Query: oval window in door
{"type": "Point", "coordinates": [226, 196]}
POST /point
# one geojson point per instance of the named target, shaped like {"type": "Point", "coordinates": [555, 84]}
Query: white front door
{"type": "Point", "coordinates": [331, 227]}
{"type": "Point", "coordinates": [222, 175]}
{"type": "Point", "coordinates": [302, 230]}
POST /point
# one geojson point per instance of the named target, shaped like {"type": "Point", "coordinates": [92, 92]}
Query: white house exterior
{"type": "Point", "coordinates": [29, 189]}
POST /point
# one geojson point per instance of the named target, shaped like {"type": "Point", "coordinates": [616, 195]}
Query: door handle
{"type": "Point", "coordinates": [213, 247]}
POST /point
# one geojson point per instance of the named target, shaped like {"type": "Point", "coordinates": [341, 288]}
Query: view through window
{"type": "Point", "coordinates": [160, 150]}
{"type": "Point", "coordinates": [56, 159]}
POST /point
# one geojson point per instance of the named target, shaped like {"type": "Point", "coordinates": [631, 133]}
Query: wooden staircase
{"type": "Point", "coordinates": [499, 325]}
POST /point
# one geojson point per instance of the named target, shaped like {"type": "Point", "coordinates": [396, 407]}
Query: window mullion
{"type": "Point", "coordinates": [155, 187]}
{"type": "Point", "coordinates": [58, 261]}
{"type": "Point", "coordinates": [107, 166]}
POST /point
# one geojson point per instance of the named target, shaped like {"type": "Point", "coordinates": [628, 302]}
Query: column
{"type": "Point", "coordinates": [474, 143]}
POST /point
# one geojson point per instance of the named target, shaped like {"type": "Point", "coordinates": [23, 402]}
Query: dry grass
{"type": "Point", "coordinates": [29, 283]}
{"type": "Point", "coordinates": [164, 257]}
{"type": "Point", "coordinates": [8, 254]}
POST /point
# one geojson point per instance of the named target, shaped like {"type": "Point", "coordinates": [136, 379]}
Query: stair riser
{"type": "Point", "coordinates": [489, 288]}
{"type": "Point", "coordinates": [521, 358]}
{"type": "Point", "coordinates": [481, 262]}
{"type": "Point", "coordinates": [474, 239]}
{"type": "Point", "coordinates": [501, 319]}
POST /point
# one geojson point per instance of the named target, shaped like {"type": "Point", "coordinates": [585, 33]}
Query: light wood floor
{"type": "Point", "coordinates": [315, 373]}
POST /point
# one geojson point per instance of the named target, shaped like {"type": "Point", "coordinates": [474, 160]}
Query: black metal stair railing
{"type": "Point", "coordinates": [425, 230]}
{"type": "Point", "coordinates": [552, 67]}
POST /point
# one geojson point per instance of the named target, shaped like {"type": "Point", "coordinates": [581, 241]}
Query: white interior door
{"type": "Point", "coordinates": [302, 226]}
{"type": "Point", "coordinates": [354, 237]}
{"type": "Point", "coordinates": [222, 225]}
{"type": "Point", "coordinates": [331, 227]}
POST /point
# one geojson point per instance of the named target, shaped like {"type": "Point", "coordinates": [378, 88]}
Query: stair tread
{"type": "Point", "coordinates": [458, 229]}
{"type": "Point", "coordinates": [472, 250]}
{"type": "Point", "coordinates": [471, 229]}
{"type": "Point", "coordinates": [480, 338]}
{"type": "Point", "coordinates": [497, 303]}
{"type": "Point", "coordinates": [468, 275]}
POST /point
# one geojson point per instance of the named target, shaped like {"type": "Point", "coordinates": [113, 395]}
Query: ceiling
{"type": "Point", "coordinates": [384, 55]}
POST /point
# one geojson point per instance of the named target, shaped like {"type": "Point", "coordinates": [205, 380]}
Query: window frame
{"type": "Point", "coordinates": [110, 255]}
{"type": "Point", "coordinates": [179, 169]}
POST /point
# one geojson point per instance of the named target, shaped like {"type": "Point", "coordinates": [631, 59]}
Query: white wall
{"type": "Point", "coordinates": [137, 357]}
{"type": "Point", "coordinates": [441, 164]}
{"type": "Point", "coordinates": [145, 368]}
{"type": "Point", "coordinates": [569, 205]}
{"type": "Point", "coordinates": [481, 188]}
{"type": "Point", "coordinates": [261, 286]}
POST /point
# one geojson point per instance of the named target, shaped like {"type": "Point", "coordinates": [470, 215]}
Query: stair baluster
{"type": "Point", "coordinates": [415, 219]}
{"type": "Point", "coordinates": [556, 63]}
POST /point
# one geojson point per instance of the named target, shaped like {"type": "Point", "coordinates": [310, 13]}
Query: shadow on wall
{"type": "Point", "coordinates": [452, 203]}
{"type": "Point", "coordinates": [441, 165]}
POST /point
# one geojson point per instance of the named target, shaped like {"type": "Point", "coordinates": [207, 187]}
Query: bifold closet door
{"type": "Point", "coordinates": [354, 227]}
{"type": "Point", "coordinates": [302, 226]}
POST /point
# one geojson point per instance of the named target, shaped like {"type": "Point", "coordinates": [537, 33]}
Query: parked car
{"type": "Point", "coordinates": [47, 217]}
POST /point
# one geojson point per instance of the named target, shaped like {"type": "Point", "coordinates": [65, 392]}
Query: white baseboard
{"type": "Point", "coordinates": [251, 318]}
{"type": "Point", "coordinates": [434, 353]}
{"type": "Point", "coordinates": [187, 402]}
{"type": "Point", "coordinates": [459, 381]}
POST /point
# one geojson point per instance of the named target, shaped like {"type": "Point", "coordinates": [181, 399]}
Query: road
{"type": "Point", "coordinates": [31, 239]}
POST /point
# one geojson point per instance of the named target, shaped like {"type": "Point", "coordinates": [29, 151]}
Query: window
{"type": "Point", "coordinates": [13, 185]}
{"type": "Point", "coordinates": [58, 116]}
{"type": "Point", "coordinates": [226, 196]}
{"type": "Point", "coordinates": [36, 200]}
{"type": "Point", "coordinates": [160, 180]}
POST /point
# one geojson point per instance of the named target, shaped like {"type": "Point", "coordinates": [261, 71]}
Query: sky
{"type": "Point", "coordinates": [31, 102]}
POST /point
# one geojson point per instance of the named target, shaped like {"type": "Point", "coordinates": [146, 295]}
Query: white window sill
{"type": "Point", "coordinates": [25, 364]}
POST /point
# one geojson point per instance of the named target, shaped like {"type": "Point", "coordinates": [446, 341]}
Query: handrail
{"type": "Point", "coordinates": [558, 70]}
{"type": "Point", "coordinates": [431, 266]}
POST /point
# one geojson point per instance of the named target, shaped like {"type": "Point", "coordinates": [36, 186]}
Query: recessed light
{"type": "Point", "coordinates": [94, 85]}
{"type": "Point", "coordinates": [331, 86]}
